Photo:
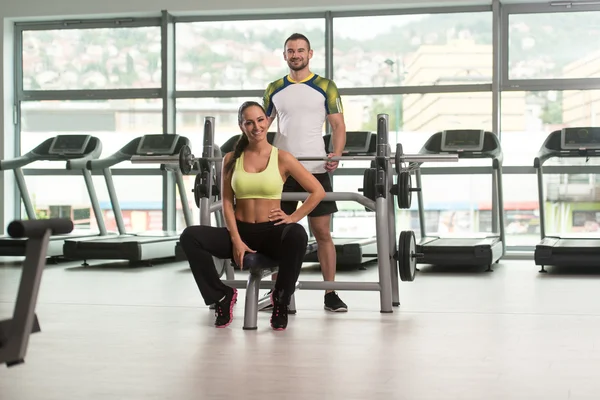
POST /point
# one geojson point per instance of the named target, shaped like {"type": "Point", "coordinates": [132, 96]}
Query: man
{"type": "Point", "coordinates": [301, 102]}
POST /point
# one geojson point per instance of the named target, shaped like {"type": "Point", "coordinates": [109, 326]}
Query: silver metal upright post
{"type": "Point", "coordinates": [207, 151]}
{"type": "Point", "coordinates": [112, 195]}
{"type": "Point", "coordinates": [422, 224]}
{"type": "Point", "coordinates": [87, 175]}
{"type": "Point", "coordinates": [20, 179]}
{"type": "Point", "coordinates": [501, 209]}
{"type": "Point", "coordinates": [185, 205]}
{"type": "Point", "coordinates": [393, 243]}
{"type": "Point", "coordinates": [540, 182]}
{"type": "Point", "coordinates": [381, 218]}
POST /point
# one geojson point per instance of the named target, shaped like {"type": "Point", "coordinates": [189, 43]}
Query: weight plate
{"type": "Point", "coordinates": [403, 192]}
{"type": "Point", "coordinates": [185, 155]}
{"type": "Point", "coordinates": [398, 157]}
{"type": "Point", "coordinates": [197, 191]}
{"type": "Point", "coordinates": [369, 179]}
{"type": "Point", "coordinates": [407, 263]}
{"type": "Point", "coordinates": [408, 197]}
{"type": "Point", "coordinates": [400, 190]}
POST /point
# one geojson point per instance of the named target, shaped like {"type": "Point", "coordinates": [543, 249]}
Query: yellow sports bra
{"type": "Point", "coordinates": [266, 184]}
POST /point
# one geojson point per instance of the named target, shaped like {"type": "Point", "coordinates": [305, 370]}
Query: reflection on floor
{"type": "Point", "coordinates": [118, 333]}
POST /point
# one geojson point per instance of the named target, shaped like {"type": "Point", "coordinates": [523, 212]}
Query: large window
{"type": "Point", "coordinates": [140, 199]}
{"type": "Point", "coordinates": [554, 45]}
{"type": "Point", "coordinates": [91, 81]}
{"type": "Point", "coordinates": [521, 210]}
{"type": "Point", "coordinates": [414, 117]}
{"type": "Point", "coordinates": [527, 120]}
{"type": "Point", "coordinates": [238, 55]}
{"type": "Point", "coordinates": [114, 122]}
{"type": "Point", "coordinates": [413, 50]}
{"type": "Point", "coordinates": [102, 58]}
{"type": "Point", "coordinates": [106, 80]}
{"type": "Point", "coordinates": [529, 117]}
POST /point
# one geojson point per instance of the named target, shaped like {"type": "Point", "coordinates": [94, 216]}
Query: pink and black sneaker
{"type": "Point", "coordinates": [279, 317]}
{"type": "Point", "coordinates": [224, 309]}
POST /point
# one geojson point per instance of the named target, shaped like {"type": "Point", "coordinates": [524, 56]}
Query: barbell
{"type": "Point", "coordinates": [187, 160]}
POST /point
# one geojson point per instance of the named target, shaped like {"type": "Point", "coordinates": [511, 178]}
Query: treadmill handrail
{"type": "Point", "coordinates": [551, 148]}
{"type": "Point", "coordinates": [542, 156]}
{"type": "Point", "coordinates": [491, 142]}
{"type": "Point", "coordinates": [126, 152]}
{"type": "Point", "coordinates": [80, 163]}
{"type": "Point", "coordinates": [121, 155]}
{"type": "Point", "coordinates": [39, 153]}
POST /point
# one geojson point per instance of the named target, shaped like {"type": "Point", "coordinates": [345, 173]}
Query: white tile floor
{"type": "Point", "coordinates": [117, 333]}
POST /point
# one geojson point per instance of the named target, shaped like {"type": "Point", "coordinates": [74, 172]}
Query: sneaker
{"type": "Point", "coordinates": [224, 310]}
{"type": "Point", "coordinates": [334, 304]}
{"type": "Point", "coordinates": [213, 306]}
{"type": "Point", "coordinates": [268, 306]}
{"type": "Point", "coordinates": [279, 317]}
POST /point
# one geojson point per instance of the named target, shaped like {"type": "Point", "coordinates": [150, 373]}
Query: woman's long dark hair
{"type": "Point", "coordinates": [242, 142]}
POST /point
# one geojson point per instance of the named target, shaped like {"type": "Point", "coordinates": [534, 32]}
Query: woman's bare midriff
{"type": "Point", "coordinates": [255, 210]}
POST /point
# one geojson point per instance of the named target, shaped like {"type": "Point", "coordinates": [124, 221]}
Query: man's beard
{"type": "Point", "coordinates": [297, 67]}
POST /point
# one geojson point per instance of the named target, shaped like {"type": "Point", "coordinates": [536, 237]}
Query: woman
{"type": "Point", "coordinates": [253, 174]}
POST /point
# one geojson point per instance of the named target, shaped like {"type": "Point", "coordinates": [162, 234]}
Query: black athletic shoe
{"type": "Point", "coordinates": [279, 317]}
{"type": "Point", "coordinates": [224, 310]}
{"type": "Point", "coordinates": [334, 304]}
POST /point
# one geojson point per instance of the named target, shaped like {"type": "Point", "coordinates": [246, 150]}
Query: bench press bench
{"type": "Point", "coordinates": [259, 266]}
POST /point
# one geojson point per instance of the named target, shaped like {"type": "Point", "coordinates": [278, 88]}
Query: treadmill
{"type": "Point", "coordinates": [479, 249]}
{"type": "Point", "coordinates": [76, 150]}
{"type": "Point", "coordinates": [555, 250]}
{"type": "Point", "coordinates": [350, 252]}
{"type": "Point", "coordinates": [134, 247]}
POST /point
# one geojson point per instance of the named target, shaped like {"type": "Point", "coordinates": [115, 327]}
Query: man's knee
{"type": "Point", "coordinates": [320, 228]}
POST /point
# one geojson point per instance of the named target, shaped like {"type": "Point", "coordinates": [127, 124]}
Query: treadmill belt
{"type": "Point", "coordinates": [458, 242]}
{"type": "Point", "coordinates": [587, 243]}
{"type": "Point", "coordinates": [124, 239]}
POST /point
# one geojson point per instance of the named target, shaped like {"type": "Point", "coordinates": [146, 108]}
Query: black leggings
{"type": "Point", "coordinates": [285, 243]}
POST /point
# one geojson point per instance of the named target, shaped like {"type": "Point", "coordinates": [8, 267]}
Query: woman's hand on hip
{"type": "Point", "coordinates": [278, 215]}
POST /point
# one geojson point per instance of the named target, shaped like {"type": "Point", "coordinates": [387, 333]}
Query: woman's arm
{"type": "Point", "coordinates": [227, 201]}
{"type": "Point", "coordinates": [306, 180]}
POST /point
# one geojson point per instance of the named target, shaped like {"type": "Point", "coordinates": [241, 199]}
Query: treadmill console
{"type": "Point", "coordinates": [157, 145]}
{"type": "Point", "coordinates": [357, 143]}
{"type": "Point", "coordinates": [69, 144]}
{"type": "Point", "coordinates": [580, 138]}
{"type": "Point", "coordinates": [462, 140]}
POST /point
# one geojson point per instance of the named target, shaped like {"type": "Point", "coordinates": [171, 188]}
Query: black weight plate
{"type": "Point", "coordinates": [407, 263]}
{"type": "Point", "coordinates": [408, 196]}
{"type": "Point", "coordinates": [197, 190]}
{"type": "Point", "coordinates": [185, 164]}
{"type": "Point", "coordinates": [369, 179]}
{"type": "Point", "coordinates": [403, 192]}
{"type": "Point", "coordinates": [400, 190]}
{"type": "Point", "coordinates": [400, 253]}
{"type": "Point", "coordinates": [398, 157]}
{"type": "Point", "coordinates": [412, 245]}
